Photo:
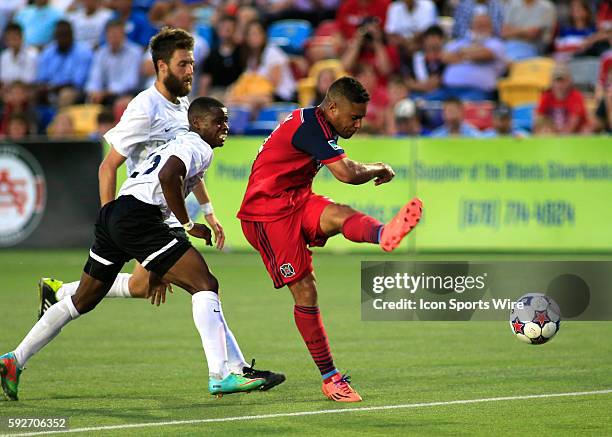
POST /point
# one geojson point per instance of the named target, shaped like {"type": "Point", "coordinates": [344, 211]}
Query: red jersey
{"type": "Point", "coordinates": [289, 159]}
{"type": "Point", "coordinates": [559, 111]}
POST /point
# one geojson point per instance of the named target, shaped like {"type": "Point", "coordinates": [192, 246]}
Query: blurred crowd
{"type": "Point", "coordinates": [476, 68]}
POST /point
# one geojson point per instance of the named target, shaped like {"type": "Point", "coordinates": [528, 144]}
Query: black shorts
{"type": "Point", "coordinates": [130, 229]}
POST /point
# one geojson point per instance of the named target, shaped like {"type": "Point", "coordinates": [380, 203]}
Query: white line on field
{"type": "Point", "coordinates": [313, 413]}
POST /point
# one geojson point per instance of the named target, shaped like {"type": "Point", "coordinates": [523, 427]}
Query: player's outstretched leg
{"type": "Point", "coordinates": [310, 324]}
{"type": "Point", "coordinates": [191, 273]}
{"type": "Point", "coordinates": [90, 293]}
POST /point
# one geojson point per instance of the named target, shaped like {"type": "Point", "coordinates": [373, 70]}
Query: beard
{"type": "Point", "coordinates": [176, 86]}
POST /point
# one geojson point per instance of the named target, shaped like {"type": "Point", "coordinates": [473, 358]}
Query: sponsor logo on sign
{"type": "Point", "coordinates": [22, 194]}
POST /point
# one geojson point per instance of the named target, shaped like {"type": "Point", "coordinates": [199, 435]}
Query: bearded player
{"type": "Point", "coordinates": [281, 216]}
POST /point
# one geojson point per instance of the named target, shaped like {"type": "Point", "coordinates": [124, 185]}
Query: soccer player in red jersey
{"type": "Point", "coordinates": [281, 216]}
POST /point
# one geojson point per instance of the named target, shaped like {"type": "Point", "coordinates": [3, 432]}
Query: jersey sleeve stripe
{"type": "Point", "coordinates": [334, 159]}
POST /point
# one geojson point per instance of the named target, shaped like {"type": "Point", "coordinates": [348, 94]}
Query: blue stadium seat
{"type": "Point", "coordinates": [432, 113]}
{"type": "Point", "coordinates": [269, 117]}
{"type": "Point", "coordinates": [239, 117]}
{"type": "Point", "coordinates": [522, 117]}
{"type": "Point", "coordinates": [290, 35]}
{"type": "Point", "coordinates": [206, 32]}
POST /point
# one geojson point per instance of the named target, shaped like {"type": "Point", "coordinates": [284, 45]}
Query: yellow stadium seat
{"type": "Point", "coordinates": [517, 93]}
{"type": "Point", "coordinates": [84, 118]}
{"type": "Point", "coordinates": [536, 71]}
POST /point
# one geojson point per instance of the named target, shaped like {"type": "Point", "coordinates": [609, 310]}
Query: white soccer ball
{"type": "Point", "coordinates": [535, 319]}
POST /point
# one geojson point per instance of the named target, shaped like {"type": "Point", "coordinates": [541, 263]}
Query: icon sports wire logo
{"type": "Point", "coordinates": [22, 194]}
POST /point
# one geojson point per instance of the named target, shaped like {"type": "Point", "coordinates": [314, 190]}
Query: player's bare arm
{"type": "Point", "coordinates": [171, 178]}
{"type": "Point", "coordinates": [356, 173]}
{"type": "Point", "coordinates": [107, 175]}
{"type": "Point", "coordinates": [201, 194]}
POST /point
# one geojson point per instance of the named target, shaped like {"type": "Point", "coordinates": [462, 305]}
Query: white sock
{"type": "Point", "coordinates": [209, 322]}
{"type": "Point", "coordinates": [46, 329]}
{"type": "Point", "coordinates": [235, 359]}
{"type": "Point", "coordinates": [118, 289]}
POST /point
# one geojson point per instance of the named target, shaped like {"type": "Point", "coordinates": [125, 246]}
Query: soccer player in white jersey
{"type": "Point", "coordinates": [133, 226]}
{"type": "Point", "coordinates": [153, 117]}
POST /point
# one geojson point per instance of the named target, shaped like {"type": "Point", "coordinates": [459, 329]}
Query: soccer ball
{"type": "Point", "coordinates": [537, 321]}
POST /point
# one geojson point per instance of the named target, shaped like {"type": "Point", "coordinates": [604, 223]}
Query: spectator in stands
{"type": "Point", "coordinates": [63, 66]}
{"type": "Point", "coordinates": [313, 11]}
{"type": "Point", "coordinates": [374, 121]}
{"type": "Point", "coordinates": [502, 124]}
{"type": "Point", "coordinates": [224, 65]}
{"type": "Point", "coordinates": [17, 99]}
{"type": "Point", "coordinates": [18, 127]}
{"type": "Point", "coordinates": [603, 113]}
{"type": "Point", "coordinates": [267, 76]}
{"type": "Point", "coordinates": [561, 109]}
{"type": "Point", "coordinates": [113, 70]}
{"type": "Point", "coordinates": [528, 28]}
{"type": "Point", "coordinates": [579, 36]}
{"type": "Point", "coordinates": [604, 16]}
{"type": "Point", "coordinates": [89, 22]}
{"type": "Point", "coordinates": [106, 121]}
{"type": "Point", "coordinates": [424, 72]}
{"type": "Point", "coordinates": [7, 11]}
{"type": "Point", "coordinates": [368, 46]}
{"type": "Point", "coordinates": [454, 125]}
{"type": "Point", "coordinates": [61, 128]}
{"type": "Point", "coordinates": [474, 63]}
{"type": "Point", "coordinates": [137, 25]}
{"type": "Point", "coordinates": [467, 9]}
{"type": "Point", "coordinates": [603, 79]}
{"type": "Point", "coordinates": [406, 119]}
{"type": "Point", "coordinates": [325, 78]}
{"type": "Point", "coordinates": [182, 17]}
{"type": "Point", "coordinates": [38, 22]}
{"type": "Point", "coordinates": [407, 19]}
{"type": "Point", "coordinates": [352, 13]}
{"type": "Point", "coordinates": [17, 62]}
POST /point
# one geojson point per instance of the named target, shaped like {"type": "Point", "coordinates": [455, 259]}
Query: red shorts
{"type": "Point", "coordinates": [283, 243]}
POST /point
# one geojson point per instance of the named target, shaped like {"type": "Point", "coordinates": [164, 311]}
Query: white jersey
{"type": "Point", "coordinates": [144, 183]}
{"type": "Point", "coordinates": [149, 121]}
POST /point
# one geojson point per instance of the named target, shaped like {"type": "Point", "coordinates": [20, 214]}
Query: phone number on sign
{"type": "Point", "coordinates": [34, 423]}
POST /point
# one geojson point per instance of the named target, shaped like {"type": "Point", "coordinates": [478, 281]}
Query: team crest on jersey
{"type": "Point", "coordinates": [334, 145]}
{"type": "Point", "coordinates": [22, 194]}
{"type": "Point", "coordinates": [287, 270]}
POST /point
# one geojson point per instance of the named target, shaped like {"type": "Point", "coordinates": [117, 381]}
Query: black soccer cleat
{"type": "Point", "coordinates": [47, 294]}
{"type": "Point", "coordinates": [271, 379]}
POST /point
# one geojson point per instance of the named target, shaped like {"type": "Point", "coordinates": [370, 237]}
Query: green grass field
{"type": "Point", "coordinates": [131, 363]}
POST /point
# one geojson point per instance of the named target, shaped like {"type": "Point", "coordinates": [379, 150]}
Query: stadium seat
{"type": "Point", "coordinates": [307, 86]}
{"type": "Point", "coordinates": [522, 117]}
{"type": "Point", "coordinates": [239, 117]}
{"type": "Point", "coordinates": [290, 35]}
{"type": "Point", "coordinates": [479, 114]}
{"type": "Point", "coordinates": [432, 113]}
{"type": "Point", "coordinates": [206, 32]}
{"type": "Point", "coordinates": [536, 71]}
{"type": "Point", "coordinates": [84, 118]}
{"type": "Point", "coordinates": [584, 72]}
{"type": "Point", "coordinates": [269, 117]}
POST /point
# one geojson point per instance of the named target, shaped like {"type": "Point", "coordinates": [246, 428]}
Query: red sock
{"type": "Point", "coordinates": [361, 228]}
{"type": "Point", "coordinates": [309, 323]}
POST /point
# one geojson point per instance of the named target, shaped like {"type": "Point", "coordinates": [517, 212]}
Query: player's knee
{"type": "Point", "coordinates": [138, 287]}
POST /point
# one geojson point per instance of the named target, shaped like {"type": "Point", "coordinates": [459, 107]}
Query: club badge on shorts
{"type": "Point", "coordinates": [287, 270]}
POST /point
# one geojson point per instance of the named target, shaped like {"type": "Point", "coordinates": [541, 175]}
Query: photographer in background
{"type": "Point", "coordinates": [368, 46]}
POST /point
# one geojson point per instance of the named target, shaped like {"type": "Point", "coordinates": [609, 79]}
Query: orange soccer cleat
{"type": "Point", "coordinates": [337, 389]}
{"type": "Point", "coordinates": [399, 226]}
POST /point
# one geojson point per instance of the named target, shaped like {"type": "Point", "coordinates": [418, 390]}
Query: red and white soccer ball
{"type": "Point", "coordinates": [537, 321]}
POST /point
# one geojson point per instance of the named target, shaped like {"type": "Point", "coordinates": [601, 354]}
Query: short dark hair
{"type": "Point", "coordinates": [13, 27]}
{"type": "Point", "coordinates": [167, 41]}
{"type": "Point", "coordinates": [105, 116]}
{"type": "Point", "coordinates": [116, 22]}
{"type": "Point", "coordinates": [201, 106]}
{"type": "Point", "coordinates": [433, 30]}
{"type": "Point", "coordinates": [349, 88]}
{"type": "Point", "coordinates": [64, 23]}
{"type": "Point", "coordinates": [453, 101]}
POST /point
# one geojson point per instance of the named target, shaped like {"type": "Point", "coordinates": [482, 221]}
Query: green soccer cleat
{"type": "Point", "coordinates": [9, 375]}
{"type": "Point", "coordinates": [271, 379]}
{"type": "Point", "coordinates": [47, 294]}
{"type": "Point", "coordinates": [233, 383]}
